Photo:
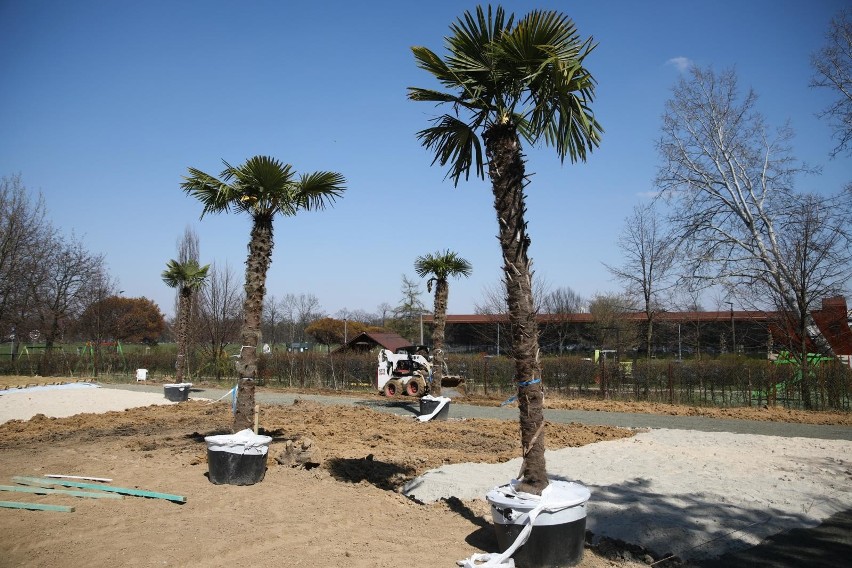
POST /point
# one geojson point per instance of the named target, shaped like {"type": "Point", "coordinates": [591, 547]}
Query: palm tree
{"type": "Point", "coordinates": [505, 82]}
{"type": "Point", "coordinates": [263, 187]}
{"type": "Point", "coordinates": [187, 277]}
{"type": "Point", "coordinates": [441, 266]}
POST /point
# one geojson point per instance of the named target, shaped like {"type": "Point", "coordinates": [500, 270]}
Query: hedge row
{"type": "Point", "coordinates": [731, 381]}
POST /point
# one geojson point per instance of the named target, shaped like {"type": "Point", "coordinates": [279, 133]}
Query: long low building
{"type": "Point", "coordinates": [684, 333]}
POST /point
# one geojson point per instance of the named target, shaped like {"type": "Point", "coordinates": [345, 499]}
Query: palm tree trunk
{"type": "Point", "coordinates": [506, 170]}
{"type": "Point", "coordinates": [441, 294]}
{"type": "Point", "coordinates": [182, 333]}
{"type": "Point", "coordinates": [257, 264]}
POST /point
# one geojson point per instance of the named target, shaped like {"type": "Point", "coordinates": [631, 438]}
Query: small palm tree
{"type": "Point", "coordinates": [187, 277]}
{"type": "Point", "coordinates": [505, 82]}
{"type": "Point", "coordinates": [440, 266]}
{"type": "Point", "coordinates": [263, 187]}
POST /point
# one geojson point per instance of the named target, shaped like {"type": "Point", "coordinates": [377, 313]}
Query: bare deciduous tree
{"type": "Point", "coordinates": [559, 304]}
{"type": "Point", "coordinates": [308, 310]}
{"type": "Point", "coordinates": [220, 314]}
{"type": "Point", "coordinates": [647, 270]}
{"type": "Point", "coordinates": [731, 180]}
{"type": "Point", "coordinates": [188, 248]}
{"type": "Point", "coordinates": [815, 239]}
{"type": "Point", "coordinates": [495, 305]}
{"type": "Point", "coordinates": [407, 313]}
{"type": "Point", "coordinates": [272, 318]}
{"type": "Point", "coordinates": [384, 310]}
{"type": "Point", "coordinates": [833, 66]}
{"type": "Point", "coordinates": [62, 295]}
{"type": "Point", "coordinates": [25, 240]}
{"type": "Point", "coordinates": [613, 329]}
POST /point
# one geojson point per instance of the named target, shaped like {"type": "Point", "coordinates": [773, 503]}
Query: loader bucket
{"type": "Point", "coordinates": [453, 381]}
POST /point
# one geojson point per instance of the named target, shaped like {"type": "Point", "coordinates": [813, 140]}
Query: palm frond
{"type": "Point", "coordinates": [531, 73]}
{"type": "Point", "coordinates": [429, 61]}
{"type": "Point", "coordinates": [213, 194]}
{"type": "Point", "coordinates": [429, 95]}
{"type": "Point", "coordinates": [184, 274]}
{"type": "Point", "coordinates": [455, 142]}
{"type": "Point", "coordinates": [263, 187]}
{"type": "Point", "coordinates": [442, 265]}
{"type": "Point", "coordinates": [547, 55]}
{"type": "Point", "coordinates": [320, 189]}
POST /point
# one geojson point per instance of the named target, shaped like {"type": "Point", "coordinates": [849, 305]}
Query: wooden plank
{"type": "Point", "coordinates": [37, 481]}
{"type": "Point", "coordinates": [35, 506]}
{"type": "Point", "coordinates": [69, 492]}
{"type": "Point", "coordinates": [79, 477]}
{"type": "Point", "coordinates": [121, 490]}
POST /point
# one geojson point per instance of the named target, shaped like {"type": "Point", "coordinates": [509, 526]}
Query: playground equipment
{"type": "Point", "coordinates": [778, 390]}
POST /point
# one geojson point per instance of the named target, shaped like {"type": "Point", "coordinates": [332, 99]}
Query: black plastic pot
{"type": "Point", "coordinates": [237, 459]}
{"type": "Point", "coordinates": [177, 392]}
{"type": "Point", "coordinates": [428, 406]}
{"type": "Point", "coordinates": [558, 533]}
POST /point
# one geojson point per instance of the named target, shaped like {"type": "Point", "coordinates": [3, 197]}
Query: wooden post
{"type": "Point", "coordinates": [671, 384]}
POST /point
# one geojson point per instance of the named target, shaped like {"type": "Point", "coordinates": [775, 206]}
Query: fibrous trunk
{"type": "Point", "coordinates": [441, 294]}
{"type": "Point", "coordinates": [182, 332]}
{"type": "Point", "coordinates": [506, 170]}
{"type": "Point", "coordinates": [257, 263]}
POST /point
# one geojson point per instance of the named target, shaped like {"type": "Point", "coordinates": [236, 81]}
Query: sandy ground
{"type": "Point", "coordinates": [63, 400]}
{"type": "Point", "coordinates": [695, 494]}
{"type": "Point", "coordinates": [692, 493]}
{"type": "Point", "coordinates": [347, 512]}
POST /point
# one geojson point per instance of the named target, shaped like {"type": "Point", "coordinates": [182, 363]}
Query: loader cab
{"type": "Point", "coordinates": [414, 350]}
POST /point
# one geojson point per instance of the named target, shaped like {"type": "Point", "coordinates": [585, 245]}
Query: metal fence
{"type": "Point", "coordinates": [724, 381]}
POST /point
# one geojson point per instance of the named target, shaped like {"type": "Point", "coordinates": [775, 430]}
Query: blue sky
{"type": "Point", "coordinates": [104, 105]}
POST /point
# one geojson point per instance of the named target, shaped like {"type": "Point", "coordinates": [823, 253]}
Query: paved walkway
{"type": "Point", "coordinates": [407, 406]}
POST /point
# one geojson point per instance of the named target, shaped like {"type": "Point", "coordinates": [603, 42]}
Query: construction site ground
{"type": "Point", "coordinates": [347, 511]}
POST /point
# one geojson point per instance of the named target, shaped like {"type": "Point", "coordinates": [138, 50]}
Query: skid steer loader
{"type": "Point", "coordinates": [409, 371]}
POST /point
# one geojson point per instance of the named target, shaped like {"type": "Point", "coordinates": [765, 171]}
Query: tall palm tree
{"type": "Point", "coordinates": [187, 277]}
{"type": "Point", "coordinates": [440, 266]}
{"type": "Point", "coordinates": [263, 187]}
{"type": "Point", "coordinates": [504, 82]}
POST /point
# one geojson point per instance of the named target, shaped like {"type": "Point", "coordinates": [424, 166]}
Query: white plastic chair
{"type": "Point", "coordinates": [141, 375]}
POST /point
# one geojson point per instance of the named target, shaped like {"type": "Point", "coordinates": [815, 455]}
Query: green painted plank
{"type": "Point", "coordinates": [37, 481]}
{"type": "Point", "coordinates": [69, 492]}
{"type": "Point", "coordinates": [122, 490]}
{"type": "Point", "coordinates": [35, 506]}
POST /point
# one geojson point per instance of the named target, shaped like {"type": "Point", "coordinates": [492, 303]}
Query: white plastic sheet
{"type": "Point", "coordinates": [442, 402]}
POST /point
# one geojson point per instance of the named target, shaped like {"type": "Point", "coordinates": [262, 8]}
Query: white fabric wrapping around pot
{"type": "Point", "coordinates": [552, 499]}
{"type": "Point", "coordinates": [245, 442]}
